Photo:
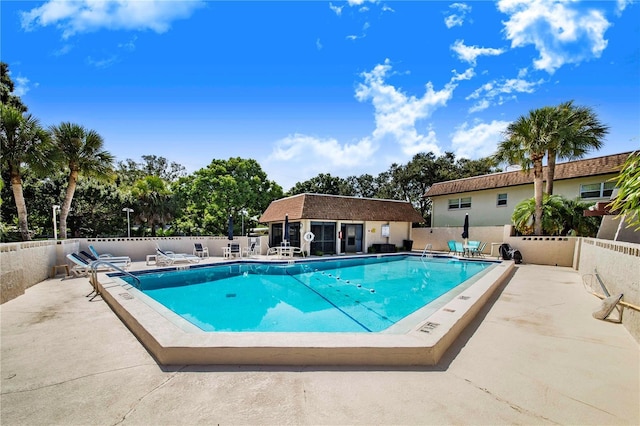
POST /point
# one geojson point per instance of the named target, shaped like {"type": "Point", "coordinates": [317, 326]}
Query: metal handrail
{"type": "Point", "coordinates": [427, 251]}
{"type": "Point", "coordinates": [96, 263]}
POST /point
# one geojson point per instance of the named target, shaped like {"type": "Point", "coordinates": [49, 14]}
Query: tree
{"type": "Point", "coordinates": [526, 144]}
{"type": "Point", "coordinates": [324, 183]}
{"type": "Point", "coordinates": [577, 132]}
{"type": "Point", "coordinates": [551, 221]}
{"type": "Point", "coordinates": [23, 142]}
{"type": "Point", "coordinates": [154, 204]}
{"type": "Point", "coordinates": [82, 152]}
{"type": "Point", "coordinates": [130, 171]}
{"type": "Point", "coordinates": [627, 200]}
{"type": "Point", "coordinates": [6, 90]}
{"type": "Point", "coordinates": [223, 188]}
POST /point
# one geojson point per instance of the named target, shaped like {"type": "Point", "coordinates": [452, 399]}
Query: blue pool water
{"type": "Point", "coordinates": [367, 294]}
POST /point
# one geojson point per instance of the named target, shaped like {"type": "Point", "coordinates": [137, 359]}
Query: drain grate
{"type": "Point", "coordinates": [449, 310]}
{"type": "Point", "coordinates": [428, 327]}
{"type": "Point", "coordinates": [231, 295]}
{"type": "Point", "coordinates": [125, 296]}
{"type": "Point", "coordinates": [464, 297]}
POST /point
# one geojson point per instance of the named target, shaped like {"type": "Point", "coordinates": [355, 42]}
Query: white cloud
{"type": "Point", "coordinates": [318, 44]}
{"type": "Point", "coordinates": [470, 53]}
{"type": "Point", "coordinates": [481, 140]}
{"type": "Point", "coordinates": [336, 9]}
{"type": "Point", "coordinates": [560, 33]}
{"type": "Point", "coordinates": [396, 113]}
{"type": "Point", "coordinates": [81, 16]}
{"type": "Point", "coordinates": [498, 92]}
{"type": "Point", "coordinates": [130, 45]}
{"type": "Point", "coordinates": [21, 86]}
{"type": "Point", "coordinates": [457, 18]}
{"type": "Point", "coordinates": [396, 119]}
{"type": "Point", "coordinates": [621, 5]}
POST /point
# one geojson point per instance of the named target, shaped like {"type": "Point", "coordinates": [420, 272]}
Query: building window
{"type": "Point", "coordinates": [460, 203]}
{"type": "Point", "coordinates": [597, 190]}
{"type": "Point", "coordinates": [502, 200]}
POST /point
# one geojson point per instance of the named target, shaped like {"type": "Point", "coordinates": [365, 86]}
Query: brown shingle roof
{"type": "Point", "coordinates": [335, 207]}
{"type": "Point", "coordinates": [574, 169]}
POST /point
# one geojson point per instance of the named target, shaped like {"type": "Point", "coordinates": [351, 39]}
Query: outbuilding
{"type": "Point", "coordinates": [333, 224]}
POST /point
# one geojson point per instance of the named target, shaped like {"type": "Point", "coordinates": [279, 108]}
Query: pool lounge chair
{"type": "Point", "coordinates": [82, 266]}
{"type": "Point", "coordinates": [169, 258]}
{"type": "Point", "coordinates": [118, 259]}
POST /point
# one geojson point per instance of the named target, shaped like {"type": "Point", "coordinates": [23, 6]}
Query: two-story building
{"type": "Point", "coordinates": [490, 199]}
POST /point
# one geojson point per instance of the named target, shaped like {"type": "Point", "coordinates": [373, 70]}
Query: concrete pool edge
{"type": "Point", "coordinates": [424, 345]}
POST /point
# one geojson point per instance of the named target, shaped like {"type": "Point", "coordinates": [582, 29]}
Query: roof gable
{"type": "Point", "coordinates": [569, 170]}
{"type": "Point", "coordinates": [336, 207]}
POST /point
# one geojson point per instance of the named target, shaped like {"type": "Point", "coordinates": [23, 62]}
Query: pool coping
{"type": "Point", "coordinates": [423, 345]}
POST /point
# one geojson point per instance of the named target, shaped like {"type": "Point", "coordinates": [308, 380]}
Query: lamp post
{"type": "Point", "coordinates": [128, 210]}
{"type": "Point", "coordinates": [55, 208]}
{"type": "Point", "coordinates": [243, 212]}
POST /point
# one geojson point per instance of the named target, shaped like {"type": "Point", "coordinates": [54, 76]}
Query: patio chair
{"type": "Point", "coordinates": [234, 250]}
{"type": "Point", "coordinates": [479, 251]}
{"type": "Point", "coordinates": [169, 258]}
{"type": "Point", "coordinates": [452, 246]}
{"type": "Point", "coordinates": [200, 250]}
{"type": "Point", "coordinates": [250, 251]}
{"type": "Point", "coordinates": [459, 248]}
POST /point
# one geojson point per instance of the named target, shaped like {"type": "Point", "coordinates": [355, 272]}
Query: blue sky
{"type": "Point", "coordinates": [320, 87]}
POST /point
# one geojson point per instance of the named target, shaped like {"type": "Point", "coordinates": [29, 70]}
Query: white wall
{"type": "Point", "coordinates": [618, 264]}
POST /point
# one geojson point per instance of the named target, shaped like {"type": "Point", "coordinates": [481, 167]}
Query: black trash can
{"type": "Point", "coordinates": [408, 245]}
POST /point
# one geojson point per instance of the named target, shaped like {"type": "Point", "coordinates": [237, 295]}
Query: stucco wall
{"type": "Point", "coordinates": [484, 210]}
{"type": "Point", "coordinates": [138, 248]}
{"type": "Point", "coordinates": [28, 263]}
{"type": "Point", "coordinates": [438, 237]}
{"type": "Point", "coordinates": [618, 264]}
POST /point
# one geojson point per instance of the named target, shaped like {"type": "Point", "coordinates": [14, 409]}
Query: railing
{"type": "Point", "coordinates": [427, 251]}
{"type": "Point", "coordinates": [94, 280]}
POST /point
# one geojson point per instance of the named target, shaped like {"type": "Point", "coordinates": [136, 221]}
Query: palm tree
{"type": "Point", "coordinates": [627, 201]}
{"type": "Point", "coordinates": [82, 152]}
{"type": "Point", "coordinates": [578, 131]}
{"type": "Point", "coordinates": [552, 219]}
{"type": "Point", "coordinates": [23, 142]}
{"type": "Point", "coordinates": [526, 144]}
{"type": "Point", "coordinates": [154, 206]}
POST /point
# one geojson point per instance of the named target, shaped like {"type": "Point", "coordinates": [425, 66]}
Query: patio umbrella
{"type": "Point", "coordinates": [230, 227]}
{"type": "Point", "coordinates": [465, 229]}
{"type": "Point", "coordinates": [286, 227]}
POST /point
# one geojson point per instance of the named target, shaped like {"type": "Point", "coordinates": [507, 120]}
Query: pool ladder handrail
{"type": "Point", "coordinates": [427, 252]}
{"type": "Point", "coordinates": [94, 280]}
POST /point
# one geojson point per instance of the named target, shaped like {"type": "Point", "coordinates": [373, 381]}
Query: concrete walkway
{"type": "Point", "coordinates": [535, 356]}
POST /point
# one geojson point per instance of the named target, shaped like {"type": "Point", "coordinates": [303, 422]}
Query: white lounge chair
{"type": "Point", "coordinates": [169, 257]}
{"type": "Point", "coordinates": [113, 258]}
{"type": "Point", "coordinates": [82, 267]}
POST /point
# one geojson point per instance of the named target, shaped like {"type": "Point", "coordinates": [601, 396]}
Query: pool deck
{"type": "Point", "coordinates": [534, 355]}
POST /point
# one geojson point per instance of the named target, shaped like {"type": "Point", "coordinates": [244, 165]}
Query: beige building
{"type": "Point", "coordinates": [340, 224]}
{"type": "Point", "coordinates": [490, 199]}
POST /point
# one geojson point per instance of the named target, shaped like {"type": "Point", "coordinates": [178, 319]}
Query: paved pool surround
{"type": "Point", "coordinates": [172, 340]}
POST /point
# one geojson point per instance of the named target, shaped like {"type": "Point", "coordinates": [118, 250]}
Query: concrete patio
{"type": "Point", "coordinates": [534, 356]}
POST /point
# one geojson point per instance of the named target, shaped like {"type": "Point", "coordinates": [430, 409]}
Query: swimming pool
{"type": "Point", "coordinates": [421, 338]}
{"type": "Point", "coordinates": [368, 294]}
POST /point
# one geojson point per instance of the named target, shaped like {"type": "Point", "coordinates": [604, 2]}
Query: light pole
{"type": "Point", "coordinates": [128, 210]}
{"type": "Point", "coordinates": [55, 208]}
{"type": "Point", "coordinates": [243, 212]}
